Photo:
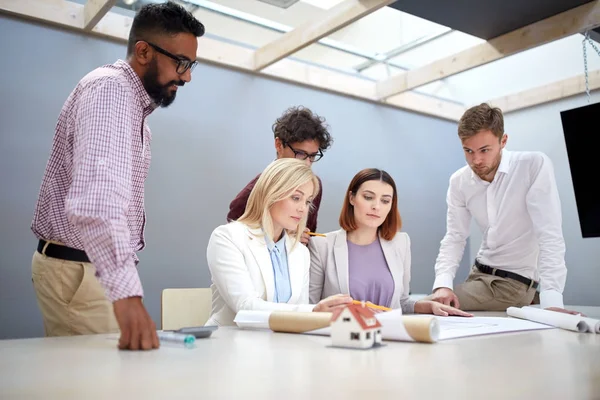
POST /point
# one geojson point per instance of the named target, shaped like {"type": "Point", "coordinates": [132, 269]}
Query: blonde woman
{"type": "Point", "coordinates": [256, 263]}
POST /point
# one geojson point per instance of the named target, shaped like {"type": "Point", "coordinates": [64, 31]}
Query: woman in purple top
{"type": "Point", "coordinates": [368, 258]}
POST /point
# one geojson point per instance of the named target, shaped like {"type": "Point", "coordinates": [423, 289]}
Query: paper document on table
{"type": "Point", "coordinates": [458, 327]}
{"type": "Point", "coordinates": [395, 326]}
{"type": "Point", "coordinates": [570, 322]}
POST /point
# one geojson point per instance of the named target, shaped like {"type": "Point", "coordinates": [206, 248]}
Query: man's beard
{"type": "Point", "coordinates": [485, 172]}
{"type": "Point", "coordinates": [160, 94]}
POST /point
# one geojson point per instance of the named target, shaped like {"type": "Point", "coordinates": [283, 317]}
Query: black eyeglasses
{"type": "Point", "coordinates": [302, 155]}
{"type": "Point", "coordinates": [183, 64]}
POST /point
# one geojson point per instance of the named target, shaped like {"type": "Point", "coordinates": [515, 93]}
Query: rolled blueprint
{"type": "Point", "coordinates": [252, 319]}
{"type": "Point", "coordinates": [420, 329]}
{"type": "Point", "coordinates": [575, 323]}
{"type": "Point", "coordinates": [593, 324]}
{"type": "Point", "coordinates": [408, 328]}
{"type": "Point", "coordinates": [298, 322]}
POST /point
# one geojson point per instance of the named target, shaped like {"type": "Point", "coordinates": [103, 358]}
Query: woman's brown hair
{"type": "Point", "coordinates": [392, 223]}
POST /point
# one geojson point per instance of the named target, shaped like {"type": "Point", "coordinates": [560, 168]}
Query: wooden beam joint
{"type": "Point", "coordinates": [304, 35]}
{"type": "Point", "coordinates": [576, 20]}
{"type": "Point", "coordinates": [94, 11]}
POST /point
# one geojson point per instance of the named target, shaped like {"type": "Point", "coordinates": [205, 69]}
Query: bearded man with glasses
{"type": "Point", "coordinates": [89, 218]}
{"type": "Point", "coordinates": [301, 134]}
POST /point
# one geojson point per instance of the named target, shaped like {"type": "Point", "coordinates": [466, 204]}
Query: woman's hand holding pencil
{"type": "Point", "coordinates": [316, 234]}
{"type": "Point", "coordinates": [374, 307]}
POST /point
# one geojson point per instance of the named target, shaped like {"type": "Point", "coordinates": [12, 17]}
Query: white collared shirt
{"type": "Point", "coordinates": [520, 217]}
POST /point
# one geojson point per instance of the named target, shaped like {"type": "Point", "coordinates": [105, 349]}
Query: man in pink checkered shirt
{"type": "Point", "coordinates": [90, 217]}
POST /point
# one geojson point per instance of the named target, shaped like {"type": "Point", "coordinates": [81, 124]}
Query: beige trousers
{"type": "Point", "coordinates": [70, 297]}
{"type": "Point", "coordinates": [483, 292]}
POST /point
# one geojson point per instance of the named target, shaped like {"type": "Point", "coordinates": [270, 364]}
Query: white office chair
{"type": "Point", "coordinates": [185, 307]}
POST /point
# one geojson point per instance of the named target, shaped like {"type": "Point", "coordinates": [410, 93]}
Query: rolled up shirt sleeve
{"type": "Point", "coordinates": [452, 246]}
{"type": "Point", "coordinates": [99, 196]}
{"type": "Point", "coordinates": [543, 204]}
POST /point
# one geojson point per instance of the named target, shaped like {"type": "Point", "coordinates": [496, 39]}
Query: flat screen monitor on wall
{"type": "Point", "coordinates": [581, 128]}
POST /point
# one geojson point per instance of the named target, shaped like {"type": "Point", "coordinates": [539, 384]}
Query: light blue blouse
{"type": "Point", "coordinates": [278, 253]}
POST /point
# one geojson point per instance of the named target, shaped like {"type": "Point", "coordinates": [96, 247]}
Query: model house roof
{"type": "Point", "coordinates": [364, 316]}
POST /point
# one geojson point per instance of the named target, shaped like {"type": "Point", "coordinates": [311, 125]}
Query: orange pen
{"type": "Point", "coordinates": [371, 305]}
{"type": "Point", "coordinates": [316, 234]}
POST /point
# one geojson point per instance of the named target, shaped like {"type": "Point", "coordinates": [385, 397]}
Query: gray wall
{"type": "Point", "coordinates": [206, 147]}
{"type": "Point", "coordinates": [540, 128]}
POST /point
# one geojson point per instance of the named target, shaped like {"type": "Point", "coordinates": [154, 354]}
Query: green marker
{"type": "Point", "coordinates": [172, 337]}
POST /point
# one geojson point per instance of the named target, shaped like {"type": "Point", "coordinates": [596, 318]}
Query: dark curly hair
{"type": "Point", "coordinates": [162, 19]}
{"type": "Point", "coordinates": [298, 124]}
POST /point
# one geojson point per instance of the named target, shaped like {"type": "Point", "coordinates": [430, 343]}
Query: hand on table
{"type": "Point", "coordinates": [445, 296]}
{"type": "Point", "coordinates": [436, 308]}
{"type": "Point", "coordinates": [332, 302]}
{"type": "Point", "coordinates": [138, 331]}
{"type": "Point", "coordinates": [444, 310]}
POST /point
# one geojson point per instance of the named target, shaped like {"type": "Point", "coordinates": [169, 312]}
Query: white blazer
{"type": "Point", "coordinates": [329, 267]}
{"type": "Point", "coordinates": [242, 273]}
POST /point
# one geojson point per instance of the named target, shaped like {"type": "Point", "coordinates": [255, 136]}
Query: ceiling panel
{"type": "Point", "coordinates": [485, 19]}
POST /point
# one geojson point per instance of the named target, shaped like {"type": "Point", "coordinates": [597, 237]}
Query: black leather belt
{"type": "Point", "coordinates": [62, 252]}
{"type": "Point", "coordinates": [486, 269]}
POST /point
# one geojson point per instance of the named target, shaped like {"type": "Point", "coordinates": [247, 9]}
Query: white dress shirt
{"type": "Point", "coordinates": [519, 215]}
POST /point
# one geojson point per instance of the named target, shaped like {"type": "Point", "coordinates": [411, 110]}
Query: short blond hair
{"type": "Point", "coordinates": [279, 180]}
{"type": "Point", "coordinates": [481, 118]}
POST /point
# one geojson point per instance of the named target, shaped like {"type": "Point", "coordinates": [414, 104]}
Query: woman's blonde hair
{"type": "Point", "coordinates": [278, 181]}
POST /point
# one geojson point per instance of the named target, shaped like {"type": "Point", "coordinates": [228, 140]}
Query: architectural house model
{"type": "Point", "coordinates": [355, 326]}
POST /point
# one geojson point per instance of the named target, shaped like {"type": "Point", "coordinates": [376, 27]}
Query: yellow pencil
{"type": "Point", "coordinates": [369, 304]}
{"type": "Point", "coordinates": [316, 234]}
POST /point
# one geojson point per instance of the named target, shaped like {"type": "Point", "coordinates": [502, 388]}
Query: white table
{"type": "Point", "coordinates": [236, 364]}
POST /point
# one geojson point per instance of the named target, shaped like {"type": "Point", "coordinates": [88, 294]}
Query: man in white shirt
{"type": "Point", "coordinates": [514, 200]}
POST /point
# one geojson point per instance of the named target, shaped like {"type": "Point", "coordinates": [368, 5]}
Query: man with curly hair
{"type": "Point", "coordinates": [301, 134]}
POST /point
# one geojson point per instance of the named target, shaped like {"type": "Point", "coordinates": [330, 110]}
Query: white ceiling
{"type": "Point", "coordinates": [255, 23]}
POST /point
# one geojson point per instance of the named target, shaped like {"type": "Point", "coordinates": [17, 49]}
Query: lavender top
{"type": "Point", "coordinates": [370, 278]}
